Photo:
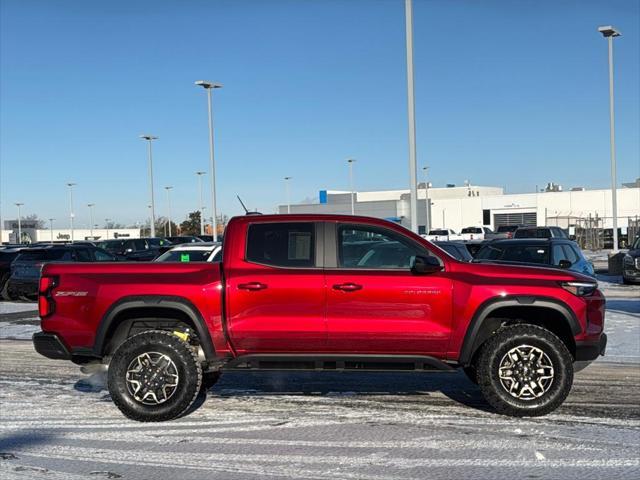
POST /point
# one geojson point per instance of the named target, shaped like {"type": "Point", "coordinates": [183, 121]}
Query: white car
{"type": "Point", "coordinates": [476, 233]}
{"type": "Point", "coordinates": [442, 235]}
{"type": "Point", "coordinates": [193, 252]}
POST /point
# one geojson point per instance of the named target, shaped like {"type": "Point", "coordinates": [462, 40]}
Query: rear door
{"type": "Point", "coordinates": [375, 304]}
{"type": "Point", "coordinates": [275, 293]}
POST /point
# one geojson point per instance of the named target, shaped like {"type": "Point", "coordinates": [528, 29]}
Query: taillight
{"type": "Point", "coordinates": [46, 305]}
{"type": "Point", "coordinates": [509, 234]}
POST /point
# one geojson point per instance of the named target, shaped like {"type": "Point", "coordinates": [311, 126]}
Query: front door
{"type": "Point", "coordinates": [276, 295]}
{"type": "Point", "coordinates": [375, 304]}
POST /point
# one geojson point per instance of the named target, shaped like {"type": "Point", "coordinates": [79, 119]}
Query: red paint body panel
{"type": "Point", "coordinates": [298, 310]}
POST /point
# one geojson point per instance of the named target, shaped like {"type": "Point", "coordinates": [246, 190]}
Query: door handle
{"type": "Point", "coordinates": [252, 286]}
{"type": "Point", "coordinates": [347, 287]}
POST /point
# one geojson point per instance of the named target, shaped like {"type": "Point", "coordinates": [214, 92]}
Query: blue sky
{"type": "Point", "coordinates": [508, 93]}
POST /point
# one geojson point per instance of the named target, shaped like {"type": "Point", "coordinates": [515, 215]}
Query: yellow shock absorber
{"type": "Point", "coordinates": [184, 336]}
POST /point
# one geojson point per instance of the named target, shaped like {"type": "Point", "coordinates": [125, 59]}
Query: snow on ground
{"type": "Point", "coordinates": [14, 307]}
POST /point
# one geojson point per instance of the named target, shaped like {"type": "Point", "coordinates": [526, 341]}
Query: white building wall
{"type": "Point", "coordinates": [64, 235]}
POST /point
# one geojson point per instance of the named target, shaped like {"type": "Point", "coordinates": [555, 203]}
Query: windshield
{"type": "Point", "coordinates": [636, 244]}
{"type": "Point", "coordinates": [515, 253]}
{"type": "Point", "coordinates": [438, 232]}
{"type": "Point", "coordinates": [158, 242]}
{"type": "Point", "coordinates": [472, 230]}
{"type": "Point", "coordinates": [111, 245]}
{"type": "Point", "coordinates": [507, 228]}
{"type": "Point", "coordinates": [185, 256]}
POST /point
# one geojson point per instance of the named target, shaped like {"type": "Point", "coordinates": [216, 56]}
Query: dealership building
{"type": "Point", "coordinates": [32, 234]}
{"type": "Point", "coordinates": [457, 207]}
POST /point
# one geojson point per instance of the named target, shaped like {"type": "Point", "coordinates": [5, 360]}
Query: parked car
{"type": "Point", "coordinates": [7, 255]}
{"type": "Point", "coordinates": [475, 233]}
{"type": "Point", "coordinates": [540, 232]}
{"type": "Point", "coordinates": [457, 250]}
{"type": "Point", "coordinates": [442, 234]}
{"type": "Point", "coordinates": [25, 268]}
{"type": "Point", "coordinates": [193, 252]}
{"type": "Point", "coordinates": [505, 231]}
{"type": "Point", "coordinates": [183, 239]}
{"type": "Point", "coordinates": [631, 263]}
{"type": "Point", "coordinates": [136, 249]}
{"type": "Point", "coordinates": [288, 296]}
{"type": "Point", "coordinates": [553, 252]}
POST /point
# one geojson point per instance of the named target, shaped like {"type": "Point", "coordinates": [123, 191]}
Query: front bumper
{"type": "Point", "coordinates": [588, 351]}
{"type": "Point", "coordinates": [50, 346]}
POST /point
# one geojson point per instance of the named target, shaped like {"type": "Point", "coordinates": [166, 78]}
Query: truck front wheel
{"type": "Point", "coordinates": [154, 376]}
{"type": "Point", "coordinates": [524, 370]}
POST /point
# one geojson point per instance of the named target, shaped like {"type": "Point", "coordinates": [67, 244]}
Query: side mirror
{"type": "Point", "coordinates": [564, 264]}
{"type": "Point", "coordinates": [422, 265]}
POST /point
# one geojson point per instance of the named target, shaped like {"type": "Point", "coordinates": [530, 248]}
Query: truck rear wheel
{"type": "Point", "coordinates": [154, 376]}
{"type": "Point", "coordinates": [524, 370]}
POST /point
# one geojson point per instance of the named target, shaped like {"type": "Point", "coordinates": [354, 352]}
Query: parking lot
{"type": "Point", "coordinates": [60, 423]}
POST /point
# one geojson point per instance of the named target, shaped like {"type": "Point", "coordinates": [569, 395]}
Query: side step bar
{"type": "Point", "coordinates": [320, 363]}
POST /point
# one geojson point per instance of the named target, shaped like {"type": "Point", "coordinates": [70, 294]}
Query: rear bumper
{"type": "Point", "coordinates": [588, 351]}
{"type": "Point", "coordinates": [50, 346]}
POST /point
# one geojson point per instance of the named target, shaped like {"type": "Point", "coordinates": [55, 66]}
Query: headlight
{"type": "Point", "coordinates": [580, 289]}
{"type": "Point", "coordinates": [628, 259]}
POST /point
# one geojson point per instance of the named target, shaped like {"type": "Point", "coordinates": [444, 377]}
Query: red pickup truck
{"type": "Point", "coordinates": [321, 293]}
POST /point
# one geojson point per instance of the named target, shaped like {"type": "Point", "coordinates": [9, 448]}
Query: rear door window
{"type": "Point", "coordinates": [290, 244]}
{"type": "Point", "coordinates": [82, 255]}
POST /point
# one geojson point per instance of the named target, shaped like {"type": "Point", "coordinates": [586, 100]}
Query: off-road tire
{"type": "Point", "coordinates": [492, 353]}
{"type": "Point", "coordinates": [185, 360]}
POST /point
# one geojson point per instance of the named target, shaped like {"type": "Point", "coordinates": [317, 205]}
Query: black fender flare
{"type": "Point", "coordinates": [481, 326]}
{"type": "Point", "coordinates": [162, 302]}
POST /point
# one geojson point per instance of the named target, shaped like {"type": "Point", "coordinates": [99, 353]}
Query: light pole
{"type": "Point", "coordinates": [351, 161]}
{"type": "Point", "coordinates": [106, 224]}
{"type": "Point", "coordinates": [610, 33]}
{"type": "Point", "coordinates": [91, 205]}
{"type": "Point", "coordinates": [51, 228]}
{"type": "Point", "coordinates": [288, 191]}
{"type": "Point", "coordinates": [427, 225]}
{"type": "Point", "coordinates": [413, 175]}
{"type": "Point", "coordinates": [208, 86]}
{"type": "Point", "coordinates": [168, 189]}
{"type": "Point", "coordinates": [150, 139]}
{"type": "Point", "coordinates": [201, 204]}
{"type": "Point", "coordinates": [71, 214]}
{"type": "Point", "coordinates": [19, 204]}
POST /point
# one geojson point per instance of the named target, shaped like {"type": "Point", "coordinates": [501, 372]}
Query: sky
{"type": "Point", "coordinates": [508, 93]}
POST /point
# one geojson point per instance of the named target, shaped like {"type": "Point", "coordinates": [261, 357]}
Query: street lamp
{"type": "Point", "coordinates": [412, 118]}
{"type": "Point", "coordinates": [106, 224]}
{"type": "Point", "coordinates": [168, 189]}
{"type": "Point", "coordinates": [19, 204]}
{"type": "Point", "coordinates": [201, 204]}
{"type": "Point", "coordinates": [286, 186]}
{"type": "Point", "coordinates": [427, 225]}
{"type": "Point", "coordinates": [610, 33]}
{"type": "Point", "coordinates": [351, 161]}
{"type": "Point", "coordinates": [51, 228]}
{"type": "Point", "coordinates": [209, 86]}
{"type": "Point", "coordinates": [91, 205]}
{"type": "Point", "coordinates": [150, 139]}
{"type": "Point", "coordinates": [71, 214]}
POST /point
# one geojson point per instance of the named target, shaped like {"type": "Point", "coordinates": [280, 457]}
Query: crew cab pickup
{"type": "Point", "coordinates": [321, 293]}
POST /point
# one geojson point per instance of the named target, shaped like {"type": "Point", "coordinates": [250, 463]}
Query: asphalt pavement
{"type": "Point", "coordinates": [57, 423]}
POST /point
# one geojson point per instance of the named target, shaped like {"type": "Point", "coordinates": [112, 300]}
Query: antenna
{"type": "Point", "coordinates": [243, 206]}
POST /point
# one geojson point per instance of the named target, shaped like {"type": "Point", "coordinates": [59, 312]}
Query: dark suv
{"type": "Point", "coordinates": [136, 249]}
{"type": "Point", "coordinates": [631, 263]}
{"type": "Point", "coordinates": [553, 252]}
{"type": "Point", "coordinates": [25, 269]}
{"type": "Point", "coordinates": [7, 255]}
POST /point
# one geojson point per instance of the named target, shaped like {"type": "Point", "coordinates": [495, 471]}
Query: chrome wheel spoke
{"type": "Point", "coordinates": [526, 372]}
{"type": "Point", "coordinates": [152, 378]}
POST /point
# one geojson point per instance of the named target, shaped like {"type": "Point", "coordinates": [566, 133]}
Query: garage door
{"type": "Point", "coordinates": [528, 219]}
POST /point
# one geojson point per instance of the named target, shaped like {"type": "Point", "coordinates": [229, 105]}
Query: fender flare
{"type": "Point", "coordinates": [162, 302]}
{"type": "Point", "coordinates": [481, 325]}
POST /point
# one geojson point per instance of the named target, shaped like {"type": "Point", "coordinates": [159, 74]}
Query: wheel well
{"type": "Point", "coordinates": [132, 321]}
{"type": "Point", "coordinates": [545, 317]}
